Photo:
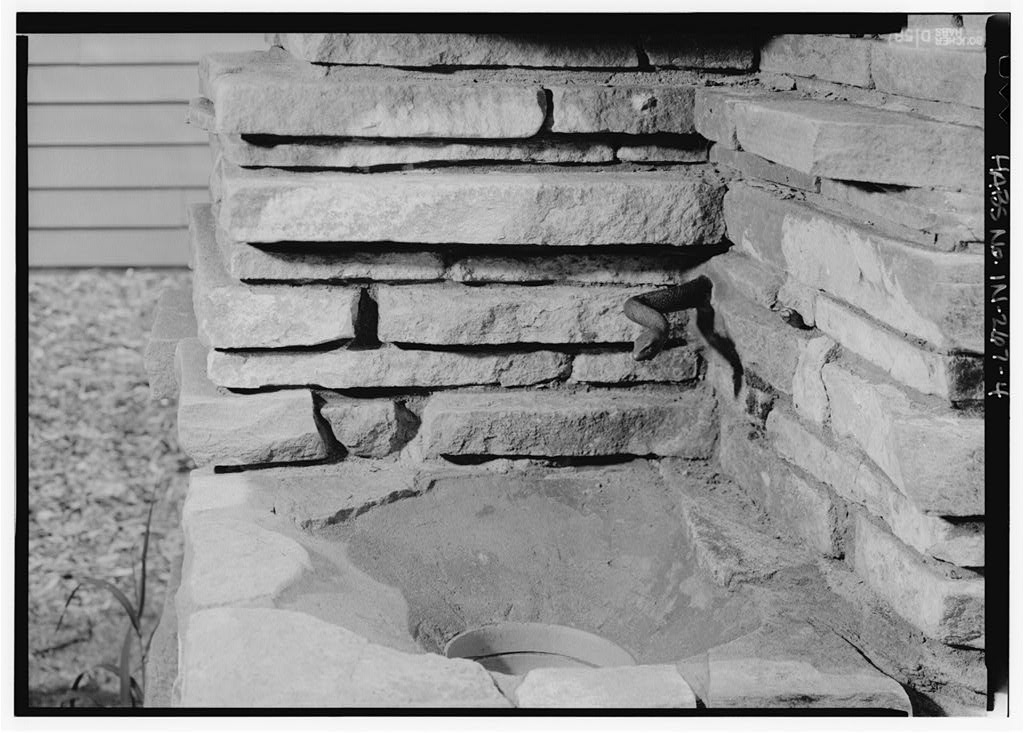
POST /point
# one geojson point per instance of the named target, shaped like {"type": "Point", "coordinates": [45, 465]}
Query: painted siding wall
{"type": "Point", "coordinates": [112, 164]}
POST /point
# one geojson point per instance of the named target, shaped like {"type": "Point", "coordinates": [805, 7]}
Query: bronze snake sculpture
{"type": "Point", "coordinates": [647, 309]}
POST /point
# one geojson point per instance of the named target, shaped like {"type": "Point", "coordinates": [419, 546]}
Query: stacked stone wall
{"type": "Point", "coordinates": [419, 247]}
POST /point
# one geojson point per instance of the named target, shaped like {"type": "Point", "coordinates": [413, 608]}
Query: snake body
{"type": "Point", "coordinates": [648, 310]}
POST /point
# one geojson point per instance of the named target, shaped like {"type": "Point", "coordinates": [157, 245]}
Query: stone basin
{"type": "Point", "coordinates": [339, 586]}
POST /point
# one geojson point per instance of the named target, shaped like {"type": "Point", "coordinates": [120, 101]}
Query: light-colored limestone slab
{"type": "Point", "coordinates": [631, 109]}
{"type": "Point", "coordinates": [231, 314]}
{"type": "Point", "coordinates": [523, 206]}
{"type": "Point", "coordinates": [934, 296]}
{"type": "Point", "coordinates": [599, 422]}
{"type": "Point", "coordinates": [225, 429]}
{"type": "Point", "coordinates": [951, 610]}
{"type": "Point", "coordinates": [832, 58]}
{"type": "Point", "coordinates": [855, 480]}
{"type": "Point", "coordinates": [271, 93]}
{"type": "Point", "coordinates": [498, 314]}
{"type": "Point", "coordinates": [366, 427]}
{"type": "Point", "coordinates": [459, 49]}
{"type": "Point", "coordinates": [387, 366]}
{"type": "Point", "coordinates": [930, 72]}
{"type": "Point", "coordinates": [643, 686]}
{"type": "Point", "coordinates": [680, 364]}
{"type": "Point", "coordinates": [239, 657]}
{"type": "Point", "coordinates": [934, 455]}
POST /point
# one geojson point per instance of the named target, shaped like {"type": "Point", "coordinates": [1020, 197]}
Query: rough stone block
{"type": "Point", "coordinates": [757, 167]}
{"type": "Point", "coordinates": [945, 112]}
{"type": "Point", "coordinates": [934, 455]}
{"type": "Point", "coordinates": [727, 547]}
{"type": "Point", "coordinates": [235, 562]}
{"type": "Point", "coordinates": [796, 667]}
{"type": "Point", "coordinates": [594, 423]}
{"type": "Point", "coordinates": [714, 112]}
{"type": "Point", "coordinates": [699, 51]}
{"type": "Point", "coordinates": [459, 49]}
{"type": "Point", "coordinates": [809, 396]}
{"type": "Point", "coordinates": [954, 216]}
{"type": "Point", "coordinates": [271, 93]}
{"type": "Point", "coordinates": [175, 320]}
{"type": "Point", "coordinates": [359, 153]}
{"type": "Point", "coordinates": [755, 280]}
{"type": "Point", "coordinates": [310, 497]}
{"type": "Point", "coordinates": [369, 428]}
{"type": "Point", "coordinates": [477, 207]}
{"type": "Point", "coordinates": [642, 686]}
{"type": "Point", "coordinates": [955, 377]}
{"type": "Point", "coordinates": [662, 154]}
{"type": "Point", "coordinates": [200, 114]}
{"type": "Point", "coordinates": [680, 364]}
{"type": "Point", "coordinates": [763, 341]}
{"type": "Point", "coordinates": [800, 299]}
{"type": "Point", "coordinates": [854, 142]}
{"type": "Point", "coordinates": [930, 72]}
{"type": "Point", "coordinates": [387, 366]}
{"type": "Point", "coordinates": [949, 609]}
{"type": "Point", "coordinates": [665, 268]}
{"type": "Point", "coordinates": [632, 109]}
{"type": "Point", "coordinates": [933, 295]}
{"type": "Point", "coordinates": [261, 657]}
{"type": "Point", "coordinates": [303, 264]}
{"type": "Point", "coordinates": [856, 481]}
{"type": "Point", "coordinates": [215, 426]}
{"type": "Point", "coordinates": [498, 314]}
{"type": "Point", "coordinates": [842, 60]}
{"type": "Point", "coordinates": [234, 315]}
{"type": "Point", "coordinates": [796, 505]}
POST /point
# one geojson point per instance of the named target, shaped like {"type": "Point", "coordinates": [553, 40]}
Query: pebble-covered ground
{"type": "Point", "coordinates": [99, 453]}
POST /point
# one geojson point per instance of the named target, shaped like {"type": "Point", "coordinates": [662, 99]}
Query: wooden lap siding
{"type": "Point", "coordinates": [112, 164]}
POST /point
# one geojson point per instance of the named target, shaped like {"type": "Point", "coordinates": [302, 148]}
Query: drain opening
{"type": "Point", "coordinates": [517, 648]}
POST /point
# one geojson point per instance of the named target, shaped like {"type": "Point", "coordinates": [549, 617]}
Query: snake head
{"type": "Point", "coordinates": [647, 346]}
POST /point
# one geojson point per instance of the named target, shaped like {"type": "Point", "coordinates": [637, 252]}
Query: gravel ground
{"type": "Point", "coordinates": [99, 453]}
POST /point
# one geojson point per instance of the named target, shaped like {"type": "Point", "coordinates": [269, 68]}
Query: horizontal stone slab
{"type": "Point", "coordinates": [360, 153]}
{"type": "Point", "coordinates": [795, 666]}
{"type": "Point", "coordinates": [366, 427]}
{"type": "Point", "coordinates": [635, 109]}
{"type": "Point", "coordinates": [523, 206]}
{"type": "Point", "coordinates": [934, 455]}
{"type": "Point", "coordinates": [751, 278]}
{"type": "Point", "coordinates": [387, 366]}
{"type": "Point", "coordinates": [763, 340]}
{"type": "Point", "coordinates": [855, 480]}
{"type": "Point", "coordinates": [854, 142]}
{"type": "Point", "coordinates": [641, 686]}
{"type": "Point", "coordinates": [459, 49]}
{"type": "Point", "coordinates": [945, 608]}
{"type": "Point", "coordinates": [272, 93]}
{"type": "Point", "coordinates": [662, 154]}
{"type": "Point", "coordinates": [796, 505]}
{"type": "Point", "coordinates": [754, 166]}
{"type": "Point", "coordinates": [714, 116]}
{"type": "Point", "coordinates": [833, 58]}
{"type": "Point", "coordinates": [930, 72]}
{"type": "Point", "coordinates": [301, 263]}
{"type": "Point", "coordinates": [699, 51]}
{"type": "Point", "coordinates": [270, 658]}
{"type": "Point", "coordinates": [680, 364]}
{"type": "Point", "coordinates": [175, 319]}
{"type": "Point", "coordinates": [552, 423]}
{"type": "Point", "coordinates": [224, 429]}
{"type": "Point", "coordinates": [310, 497]}
{"type": "Point", "coordinates": [665, 268]}
{"type": "Point", "coordinates": [934, 296]}
{"type": "Point", "coordinates": [498, 314]}
{"type": "Point", "coordinates": [234, 561]}
{"type": "Point", "coordinates": [951, 217]}
{"type": "Point", "coordinates": [231, 314]}
{"type": "Point", "coordinates": [946, 112]}
{"type": "Point", "coordinates": [954, 377]}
